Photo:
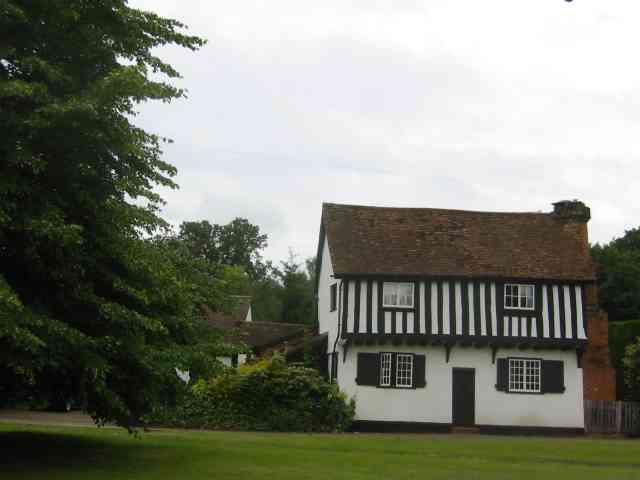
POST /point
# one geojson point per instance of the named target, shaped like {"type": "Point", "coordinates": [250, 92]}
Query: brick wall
{"type": "Point", "coordinates": [599, 374]}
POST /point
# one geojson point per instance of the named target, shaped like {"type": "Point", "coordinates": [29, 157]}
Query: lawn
{"type": "Point", "coordinates": [28, 452]}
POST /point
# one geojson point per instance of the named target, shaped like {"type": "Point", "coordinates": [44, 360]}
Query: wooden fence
{"type": "Point", "coordinates": [605, 416]}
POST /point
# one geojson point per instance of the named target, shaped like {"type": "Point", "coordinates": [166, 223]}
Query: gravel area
{"type": "Point", "coordinates": [73, 418]}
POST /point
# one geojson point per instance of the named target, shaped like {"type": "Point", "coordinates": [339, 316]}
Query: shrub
{"type": "Point", "coordinates": [631, 364]}
{"type": "Point", "coordinates": [267, 395]}
{"type": "Point", "coordinates": [622, 334]}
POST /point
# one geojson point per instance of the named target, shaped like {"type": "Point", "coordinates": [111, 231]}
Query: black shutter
{"type": "Point", "coordinates": [553, 376]}
{"type": "Point", "coordinates": [419, 371]}
{"type": "Point", "coordinates": [502, 375]}
{"type": "Point", "coordinates": [367, 369]}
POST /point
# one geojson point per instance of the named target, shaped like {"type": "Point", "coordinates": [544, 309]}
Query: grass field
{"type": "Point", "coordinates": [28, 452]}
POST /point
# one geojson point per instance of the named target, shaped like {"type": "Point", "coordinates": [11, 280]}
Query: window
{"type": "Point", "coordinates": [404, 370]}
{"type": "Point", "coordinates": [518, 296]}
{"type": "Point", "coordinates": [333, 301]}
{"type": "Point", "coordinates": [397, 294]}
{"type": "Point", "coordinates": [524, 375]}
{"type": "Point", "coordinates": [334, 367]}
{"type": "Point", "coordinates": [391, 370]}
{"type": "Point", "coordinates": [385, 369]}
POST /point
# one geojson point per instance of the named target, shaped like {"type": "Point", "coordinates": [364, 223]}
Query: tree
{"type": "Point", "coordinates": [297, 292]}
{"type": "Point", "coordinates": [238, 243]}
{"type": "Point", "coordinates": [618, 266]}
{"type": "Point", "coordinates": [631, 370]}
{"type": "Point", "coordinates": [87, 305]}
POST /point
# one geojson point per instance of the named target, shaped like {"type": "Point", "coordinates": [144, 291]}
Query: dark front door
{"type": "Point", "coordinates": [464, 396]}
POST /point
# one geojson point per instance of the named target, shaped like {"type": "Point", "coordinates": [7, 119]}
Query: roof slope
{"type": "Point", "coordinates": [425, 241]}
{"type": "Point", "coordinates": [255, 334]}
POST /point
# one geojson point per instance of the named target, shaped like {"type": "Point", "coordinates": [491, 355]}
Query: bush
{"type": "Point", "coordinates": [622, 334]}
{"type": "Point", "coordinates": [631, 364]}
{"type": "Point", "coordinates": [268, 395]}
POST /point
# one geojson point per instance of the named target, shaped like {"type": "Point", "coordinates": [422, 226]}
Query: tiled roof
{"type": "Point", "coordinates": [258, 335]}
{"type": "Point", "coordinates": [436, 242]}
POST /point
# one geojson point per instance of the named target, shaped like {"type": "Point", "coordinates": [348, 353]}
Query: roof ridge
{"type": "Point", "coordinates": [432, 209]}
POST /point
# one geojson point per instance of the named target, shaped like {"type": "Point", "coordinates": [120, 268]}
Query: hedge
{"type": "Point", "coordinates": [621, 334]}
{"type": "Point", "coordinates": [269, 395]}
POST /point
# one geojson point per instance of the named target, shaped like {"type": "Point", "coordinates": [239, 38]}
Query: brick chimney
{"type": "Point", "coordinates": [572, 211]}
{"type": "Point", "coordinates": [574, 215]}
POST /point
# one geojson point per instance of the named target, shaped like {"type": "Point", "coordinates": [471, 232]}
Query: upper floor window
{"type": "Point", "coordinates": [519, 296]}
{"type": "Point", "coordinates": [397, 294]}
{"type": "Point", "coordinates": [333, 300]}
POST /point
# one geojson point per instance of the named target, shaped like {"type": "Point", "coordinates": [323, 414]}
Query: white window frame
{"type": "Point", "coordinates": [397, 286]}
{"type": "Point", "coordinates": [529, 375]}
{"type": "Point", "coordinates": [399, 358]}
{"type": "Point", "coordinates": [386, 367]}
{"type": "Point", "coordinates": [519, 297]}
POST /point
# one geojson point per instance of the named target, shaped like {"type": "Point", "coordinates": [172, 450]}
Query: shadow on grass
{"type": "Point", "coordinates": [43, 452]}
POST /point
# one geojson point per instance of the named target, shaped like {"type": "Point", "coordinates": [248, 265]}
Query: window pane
{"type": "Point", "coordinates": [524, 375]}
{"type": "Point", "coordinates": [519, 296]}
{"type": "Point", "coordinates": [404, 370]}
{"type": "Point", "coordinates": [385, 369]}
{"type": "Point", "coordinates": [398, 294]}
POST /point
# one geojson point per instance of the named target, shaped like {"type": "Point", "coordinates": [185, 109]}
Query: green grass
{"type": "Point", "coordinates": [28, 452]}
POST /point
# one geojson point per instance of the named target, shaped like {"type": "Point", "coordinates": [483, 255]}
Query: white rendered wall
{"type": "Point", "coordinates": [433, 403]}
{"type": "Point", "coordinates": [327, 321]}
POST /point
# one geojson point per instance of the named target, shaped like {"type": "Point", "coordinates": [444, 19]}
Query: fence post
{"type": "Point", "coordinates": [618, 417]}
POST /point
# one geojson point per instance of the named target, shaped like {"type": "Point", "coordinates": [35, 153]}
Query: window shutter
{"type": "Point", "coordinates": [367, 370]}
{"type": "Point", "coordinates": [502, 375]}
{"type": "Point", "coordinates": [419, 371]}
{"type": "Point", "coordinates": [553, 376]}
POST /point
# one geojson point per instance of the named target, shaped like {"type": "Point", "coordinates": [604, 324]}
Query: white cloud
{"type": "Point", "coordinates": [496, 105]}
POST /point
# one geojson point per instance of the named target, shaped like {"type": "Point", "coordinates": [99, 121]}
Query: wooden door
{"type": "Point", "coordinates": [464, 397]}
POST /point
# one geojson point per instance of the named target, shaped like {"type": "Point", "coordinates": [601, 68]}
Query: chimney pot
{"type": "Point", "coordinates": [572, 211]}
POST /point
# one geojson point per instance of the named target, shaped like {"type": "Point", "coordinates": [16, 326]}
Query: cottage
{"type": "Point", "coordinates": [263, 338]}
{"type": "Point", "coordinates": [438, 318]}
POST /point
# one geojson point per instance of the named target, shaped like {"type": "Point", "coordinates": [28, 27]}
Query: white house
{"type": "Point", "coordinates": [438, 318]}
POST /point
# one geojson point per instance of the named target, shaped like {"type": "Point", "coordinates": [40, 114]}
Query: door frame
{"type": "Point", "coordinates": [463, 369]}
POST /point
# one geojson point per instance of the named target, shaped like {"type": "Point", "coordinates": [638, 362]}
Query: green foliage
{"type": "Point", "coordinates": [268, 395]}
{"type": "Point", "coordinates": [297, 292]}
{"type": "Point", "coordinates": [631, 365]}
{"type": "Point", "coordinates": [88, 307]}
{"type": "Point", "coordinates": [232, 253]}
{"type": "Point", "coordinates": [238, 243]}
{"type": "Point", "coordinates": [618, 265]}
{"type": "Point", "coordinates": [266, 301]}
{"type": "Point", "coordinates": [621, 335]}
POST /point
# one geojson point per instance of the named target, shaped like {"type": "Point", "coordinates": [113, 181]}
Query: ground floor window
{"type": "Point", "coordinates": [524, 375]}
{"type": "Point", "coordinates": [391, 370]}
{"type": "Point", "coordinates": [404, 370]}
{"type": "Point", "coordinates": [385, 369]}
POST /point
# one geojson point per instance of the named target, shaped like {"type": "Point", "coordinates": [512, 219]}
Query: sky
{"type": "Point", "coordinates": [498, 105]}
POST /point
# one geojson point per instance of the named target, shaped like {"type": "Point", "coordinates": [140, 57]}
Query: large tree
{"type": "Point", "coordinates": [238, 243]}
{"type": "Point", "coordinates": [618, 264]}
{"type": "Point", "coordinates": [87, 305]}
{"type": "Point", "coordinates": [297, 290]}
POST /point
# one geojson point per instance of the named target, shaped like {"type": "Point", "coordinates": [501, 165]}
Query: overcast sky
{"type": "Point", "coordinates": [480, 105]}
